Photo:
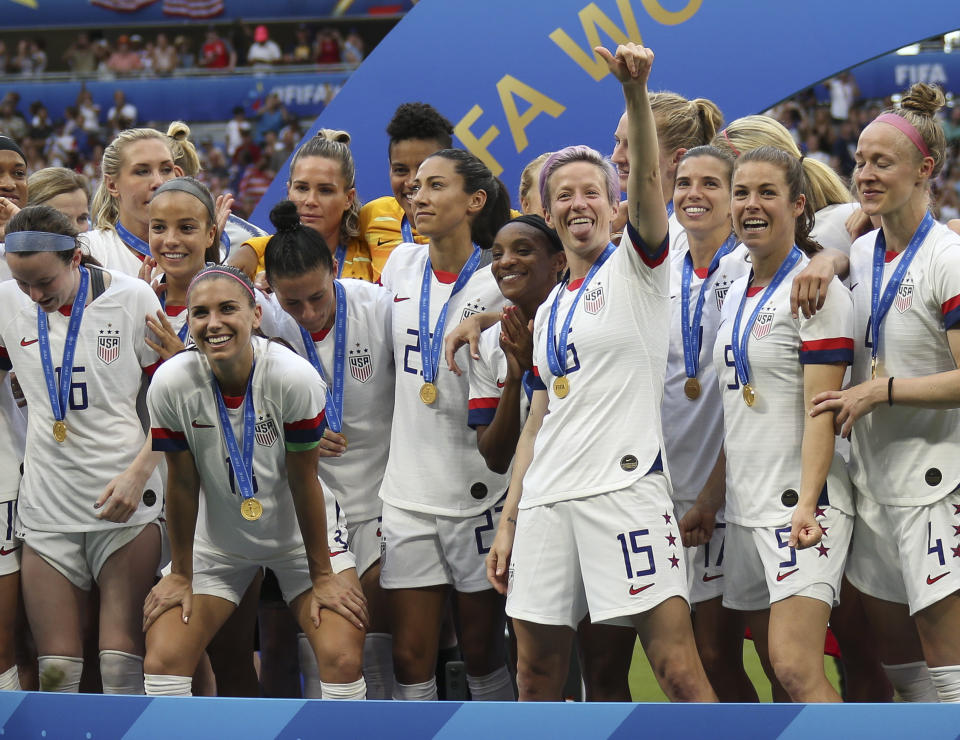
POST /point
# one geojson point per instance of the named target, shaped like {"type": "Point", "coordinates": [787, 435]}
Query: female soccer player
{"type": "Point", "coordinates": [241, 417]}
{"type": "Point", "coordinates": [782, 498]}
{"type": "Point", "coordinates": [577, 526]}
{"type": "Point", "coordinates": [63, 189]}
{"type": "Point", "coordinates": [75, 334]}
{"type": "Point", "coordinates": [901, 412]}
{"type": "Point", "coordinates": [134, 165]}
{"type": "Point", "coordinates": [13, 181]}
{"type": "Point", "coordinates": [439, 514]}
{"type": "Point", "coordinates": [322, 184]}
{"type": "Point", "coordinates": [343, 327]}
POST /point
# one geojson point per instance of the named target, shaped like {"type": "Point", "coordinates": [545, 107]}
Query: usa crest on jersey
{"type": "Point", "coordinates": [472, 307]}
{"type": "Point", "coordinates": [904, 298]}
{"type": "Point", "coordinates": [361, 364]}
{"type": "Point", "coordinates": [720, 290]}
{"type": "Point", "coordinates": [593, 300]}
{"type": "Point", "coordinates": [108, 346]}
{"type": "Point", "coordinates": [762, 325]}
{"type": "Point", "coordinates": [265, 432]}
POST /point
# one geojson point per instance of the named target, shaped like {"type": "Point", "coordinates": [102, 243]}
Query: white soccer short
{"type": "Point", "coordinates": [228, 576]}
{"type": "Point", "coordinates": [365, 540]}
{"type": "Point", "coordinates": [79, 556]}
{"type": "Point", "coordinates": [10, 546]}
{"type": "Point", "coordinates": [762, 569]}
{"type": "Point", "coordinates": [613, 554]}
{"type": "Point", "coordinates": [907, 554]}
{"type": "Point", "coordinates": [421, 550]}
{"type": "Point", "coordinates": [704, 562]}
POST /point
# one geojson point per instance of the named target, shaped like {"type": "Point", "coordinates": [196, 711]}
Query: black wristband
{"type": "Point", "coordinates": [890, 391]}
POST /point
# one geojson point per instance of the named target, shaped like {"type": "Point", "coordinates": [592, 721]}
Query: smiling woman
{"type": "Point", "coordinates": [13, 181]}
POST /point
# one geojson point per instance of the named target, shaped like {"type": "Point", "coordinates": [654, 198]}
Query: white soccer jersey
{"type": "Point", "coordinates": [61, 482]}
{"type": "Point", "coordinates": [830, 226]}
{"type": "Point", "coordinates": [606, 433]}
{"type": "Point", "coordinates": [763, 441]}
{"type": "Point", "coordinates": [434, 466]}
{"type": "Point", "coordinates": [288, 399]}
{"type": "Point", "coordinates": [235, 233]}
{"type": "Point", "coordinates": [354, 478]}
{"type": "Point", "coordinates": [693, 429]}
{"type": "Point", "coordinates": [906, 456]}
{"type": "Point", "coordinates": [488, 375]}
{"type": "Point", "coordinates": [13, 427]}
{"type": "Point", "coordinates": [106, 247]}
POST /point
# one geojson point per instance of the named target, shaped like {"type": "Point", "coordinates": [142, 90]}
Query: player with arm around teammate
{"type": "Point", "coordinates": [75, 334]}
{"type": "Point", "coordinates": [901, 412]}
{"type": "Point", "coordinates": [598, 536]}
{"type": "Point", "coordinates": [343, 327]}
{"type": "Point", "coordinates": [242, 418]}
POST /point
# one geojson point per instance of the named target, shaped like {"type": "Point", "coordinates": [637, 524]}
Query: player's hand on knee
{"type": "Point", "coordinates": [696, 527]}
{"type": "Point", "coordinates": [804, 529]}
{"type": "Point", "coordinates": [172, 591]}
{"type": "Point", "coordinates": [342, 596]}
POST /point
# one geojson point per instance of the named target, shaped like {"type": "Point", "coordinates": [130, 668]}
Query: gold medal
{"type": "Point", "coordinates": [691, 389]}
{"type": "Point", "coordinates": [251, 509]}
{"type": "Point", "coordinates": [561, 386]}
{"type": "Point", "coordinates": [874, 367]}
{"type": "Point", "coordinates": [749, 395]}
{"type": "Point", "coordinates": [428, 393]}
{"type": "Point", "coordinates": [60, 431]}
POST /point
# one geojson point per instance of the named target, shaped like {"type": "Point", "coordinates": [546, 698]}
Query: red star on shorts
{"type": "Point", "coordinates": [666, 517]}
{"type": "Point", "coordinates": [820, 511]}
{"type": "Point", "coordinates": [823, 549]}
{"type": "Point", "coordinates": [671, 540]}
{"type": "Point", "coordinates": [956, 509]}
{"type": "Point", "coordinates": [674, 561]}
{"type": "Point", "coordinates": [956, 530]}
{"type": "Point", "coordinates": [956, 551]}
{"type": "Point", "coordinates": [824, 530]}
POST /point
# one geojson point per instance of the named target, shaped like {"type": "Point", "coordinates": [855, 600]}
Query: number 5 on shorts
{"type": "Point", "coordinates": [635, 548]}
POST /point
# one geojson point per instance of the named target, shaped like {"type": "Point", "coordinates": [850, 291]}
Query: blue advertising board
{"type": "Point", "coordinates": [518, 79]}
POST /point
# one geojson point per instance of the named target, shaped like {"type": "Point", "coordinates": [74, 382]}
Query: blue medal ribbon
{"type": "Point", "coordinates": [691, 332]}
{"type": "Point", "coordinates": [341, 257]}
{"type": "Point", "coordinates": [880, 304]}
{"type": "Point", "coordinates": [558, 365]}
{"type": "Point", "coordinates": [670, 209]}
{"type": "Point", "coordinates": [60, 400]}
{"type": "Point", "coordinates": [739, 343]}
{"type": "Point", "coordinates": [242, 466]}
{"type": "Point", "coordinates": [334, 403]}
{"type": "Point", "coordinates": [430, 351]}
{"type": "Point", "coordinates": [134, 242]}
{"type": "Point", "coordinates": [406, 232]}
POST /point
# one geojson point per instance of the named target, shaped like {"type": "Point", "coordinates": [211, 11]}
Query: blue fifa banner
{"type": "Point", "coordinates": [194, 99]}
{"type": "Point", "coordinates": [518, 79]}
{"type": "Point", "coordinates": [102, 13]}
{"type": "Point", "coordinates": [889, 74]}
{"type": "Point", "coordinates": [51, 715]}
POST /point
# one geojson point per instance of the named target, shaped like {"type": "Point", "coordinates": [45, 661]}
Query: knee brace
{"type": "Point", "coordinates": [60, 673]}
{"type": "Point", "coordinates": [122, 673]}
{"type": "Point", "coordinates": [156, 684]}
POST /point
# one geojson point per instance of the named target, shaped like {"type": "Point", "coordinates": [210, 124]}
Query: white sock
{"type": "Point", "coordinates": [122, 673]}
{"type": "Point", "coordinates": [911, 681]}
{"type": "Point", "coordinates": [312, 688]}
{"type": "Point", "coordinates": [345, 691]}
{"type": "Point", "coordinates": [60, 673]}
{"type": "Point", "coordinates": [10, 679]}
{"type": "Point", "coordinates": [158, 684]}
{"type": "Point", "coordinates": [378, 665]}
{"type": "Point", "coordinates": [495, 686]}
{"type": "Point", "coordinates": [426, 691]}
{"type": "Point", "coordinates": [947, 680]}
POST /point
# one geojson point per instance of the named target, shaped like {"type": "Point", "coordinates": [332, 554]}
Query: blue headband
{"type": "Point", "coordinates": [38, 241]}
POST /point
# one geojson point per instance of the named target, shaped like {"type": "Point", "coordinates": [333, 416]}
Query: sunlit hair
{"type": "Point", "coordinates": [46, 184]}
{"type": "Point", "coordinates": [797, 183]}
{"type": "Point", "coordinates": [184, 152]}
{"type": "Point", "coordinates": [682, 123]}
{"type": "Point", "coordinates": [579, 153]}
{"type": "Point", "coordinates": [334, 145]}
{"type": "Point", "coordinates": [529, 177]}
{"type": "Point", "coordinates": [918, 106]}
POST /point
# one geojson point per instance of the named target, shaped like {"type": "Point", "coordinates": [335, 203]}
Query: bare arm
{"type": "Point", "coordinates": [245, 258]}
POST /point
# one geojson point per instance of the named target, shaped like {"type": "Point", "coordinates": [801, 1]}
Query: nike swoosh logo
{"type": "Point", "coordinates": [931, 581]}
{"type": "Point", "coordinates": [707, 579]}
{"type": "Point", "coordinates": [854, 286]}
{"type": "Point", "coordinates": [381, 242]}
{"type": "Point", "coordinates": [338, 552]}
{"type": "Point", "coordinates": [634, 590]}
{"type": "Point", "coordinates": [5, 551]}
{"type": "Point", "coordinates": [25, 343]}
{"type": "Point", "coordinates": [781, 576]}
{"type": "Point", "coordinates": [397, 299]}
{"type": "Point", "coordinates": [500, 384]}
{"type": "Point", "coordinates": [200, 426]}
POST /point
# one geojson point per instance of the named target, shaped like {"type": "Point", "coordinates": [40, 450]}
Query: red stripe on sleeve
{"type": "Point", "coordinates": [536, 371]}
{"type": "Point", "coordinates": [484, 403]}
{"type": "Point", "coordinates": [151, 369]}
{"type": "Point", "coordinates": [304, 423]}
{"type": "Point", "coordinates": [824, 344]}
{"type": "Point", "coordinates": [163, 433]}
{"type": "Point", "coordinates": [950, 305]}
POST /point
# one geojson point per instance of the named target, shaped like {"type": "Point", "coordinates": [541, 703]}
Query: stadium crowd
{"type": "Point", "coordinates": [410, 419]}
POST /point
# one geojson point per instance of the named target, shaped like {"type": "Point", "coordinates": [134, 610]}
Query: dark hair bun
{"type": "Point", "coordinates": [284, 216]}
{"type": "Point", "coordinates": [923, 99]}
